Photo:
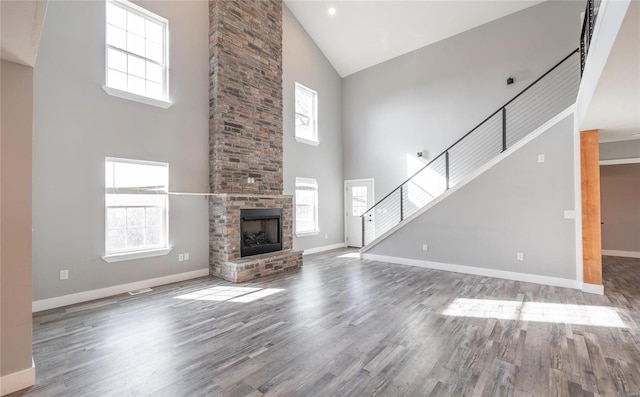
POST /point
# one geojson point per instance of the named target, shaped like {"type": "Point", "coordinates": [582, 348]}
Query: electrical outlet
{"type": "Point", "coordinates": [326, 235]}
{"type": "Point", "coordinates": [520, 256]}
{"type": "Point", "coordinates": [186, 256]}
{"type": "Point", "coordinates": [541, 158]}
{"type": "Point", "coordinates": [568, 214]}
{"type": "Point", "coordinates": [425, 247]}
{"type": "Point", "coordinates": [180, 257]}
{"type": "Point", "coordinates": [64, 274]}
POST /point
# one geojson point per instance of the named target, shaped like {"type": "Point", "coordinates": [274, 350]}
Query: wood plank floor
{"type": "Point", "coordinates": [346, 327]}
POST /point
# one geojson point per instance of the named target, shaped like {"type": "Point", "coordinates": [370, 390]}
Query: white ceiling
{"type": "Point", "coordinates": [363, 33]}
{"type": "Point", "coordinates": [21, 26]}
{"type": "Point", "coordinates": [615, 106]}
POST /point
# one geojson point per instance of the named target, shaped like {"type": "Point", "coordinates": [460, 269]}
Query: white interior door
{"type": "Point", "coordinates": [358, 199]}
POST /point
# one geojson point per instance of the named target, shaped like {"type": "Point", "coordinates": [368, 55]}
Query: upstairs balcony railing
{"type": "Point", "coordinates": [590, 15]}
{"type": "Point", "coordinates": [543, 99]}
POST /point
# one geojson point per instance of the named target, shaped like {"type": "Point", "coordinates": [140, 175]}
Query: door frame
{"type": "Point", "coordinates": [345, 204]}
{"type": "Point", "coordinates": [604, 163]}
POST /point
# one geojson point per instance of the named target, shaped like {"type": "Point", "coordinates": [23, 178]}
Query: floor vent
{"type": "Point", "coordinates": [140, 291]}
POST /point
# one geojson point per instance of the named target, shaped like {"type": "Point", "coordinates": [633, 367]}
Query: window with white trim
{"type": "Point", "coordinates": [136, 206]}
{"type": "Point", "coordinates": [136, 53]}
{"type": "Point", "coordinates": [306, 206]}
{"type": "Point", "coordinates": [306, 113]}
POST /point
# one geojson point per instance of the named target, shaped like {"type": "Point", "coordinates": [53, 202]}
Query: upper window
{"type": "Point", "coordinates": [306, 206]}
{"type": "Point", "coordinates": [306, 115]}
{"type": "Point", "coordinates": [136, 206]}
{"type": "Point", "coordinates": [137, 53]}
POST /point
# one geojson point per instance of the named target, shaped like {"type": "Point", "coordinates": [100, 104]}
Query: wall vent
{"type": "Point", "coordinates": [140, 291]}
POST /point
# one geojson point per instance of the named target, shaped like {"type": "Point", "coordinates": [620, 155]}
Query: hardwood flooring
{"type": "Point", "coordinates": [346, 327]}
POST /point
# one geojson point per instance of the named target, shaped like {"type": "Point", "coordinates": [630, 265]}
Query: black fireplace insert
{"type": "Point", "coordinates": [260, 231]}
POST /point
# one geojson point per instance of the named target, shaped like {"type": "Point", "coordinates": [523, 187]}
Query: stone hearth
{"type": "Point", "coordinates": [245, 135]}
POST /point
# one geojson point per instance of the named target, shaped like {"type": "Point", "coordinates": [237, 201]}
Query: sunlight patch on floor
{"type": "Point", "coordinates": [230, 294]}
{"type": "Point", "coordinates": [562, 313]}
{"type": "Point", "coordinates": [350, 255]}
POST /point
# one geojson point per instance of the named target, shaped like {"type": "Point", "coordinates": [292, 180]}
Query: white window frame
{"type": "Point", "coordinates": [145, 251]}
{"type": "Point", "coordinates": [314, 140]}
{"type": "Point", "coordinates": [163, 102]}
{"type": "Point", "coordinates": [311, 184]}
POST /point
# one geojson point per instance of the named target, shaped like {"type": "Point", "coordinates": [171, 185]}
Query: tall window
{"type": "Point", "coordinates": [136, 205]}
{"type": "Point", "coordinates": [306, 206]}
{"type": "Point", "coordinates": [137, 52]}
{"type": "Point", "coordinates": [306, 115]}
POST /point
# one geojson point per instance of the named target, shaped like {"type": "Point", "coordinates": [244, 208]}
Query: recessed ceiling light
{"type": "Point", "coordinates": [332, 11]}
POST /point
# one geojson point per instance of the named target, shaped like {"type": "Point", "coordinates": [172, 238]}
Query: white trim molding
{"type": "Point", "coordinates": [128, 256]}
{"type": "Point", "coordinates": [593, 289]}
{"type": "Point", "coordinates": [478, 271]}
{"type": "Point", "coordinates": [85, 296]}
{"type": "Point", "coordinates": [317, 250]}
{"type": "Point", "coordinates": [634, 160]}
{"type": "Point", "coordinates": [18, 380]}
{"type": "Point", "coordinates": [577, 197]}
{"type": "Point", "coordinates": [136, 98]}
{"type": "Point", "coordinates": [625, 254]}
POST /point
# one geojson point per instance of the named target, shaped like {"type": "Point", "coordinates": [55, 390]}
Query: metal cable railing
{"type": "Point", "coordinates": [550, 94]}
{"type": "Point", "coordinates": [589, 22]}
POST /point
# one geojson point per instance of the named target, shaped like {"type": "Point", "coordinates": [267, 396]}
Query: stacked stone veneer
{"type": "Point", "coordinates": [245, 116]}
{"type": "Point", "coordinates": [224, 213]}
{"type": "Point", "coordinates": [245, 134]}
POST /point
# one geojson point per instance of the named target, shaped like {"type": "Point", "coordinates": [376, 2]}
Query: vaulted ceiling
{"type": "Point", "coordinates": [363, 33]}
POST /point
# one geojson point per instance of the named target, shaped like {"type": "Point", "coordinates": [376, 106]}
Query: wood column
{"type": "Point", "coordinates": [591, 228]}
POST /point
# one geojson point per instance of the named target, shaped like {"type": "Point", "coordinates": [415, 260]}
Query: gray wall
{"type": "Point", "coordinates": [620, 201]}
{"type": "Point", "coordinates": [516, 206]}
{"type": "Point", "coordinates": [620, 150]}
{"type": "Point", "coordinates": [16, 107]}
{"type": "Point", "coordinates": [304, 63]}
{"type": "Point", "coordinates": [76, 124]}
{"type": "Point", "coordinates": [432, 96]}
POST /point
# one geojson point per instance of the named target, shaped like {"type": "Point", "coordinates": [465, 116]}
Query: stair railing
{"type": "Point", "coordinates": [589, 22]}
{"type": "Point", "coordinates": [547, 96]}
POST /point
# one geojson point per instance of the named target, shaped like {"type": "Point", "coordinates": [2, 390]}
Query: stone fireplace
{"type": "Point", "coordinates": [245, 143]}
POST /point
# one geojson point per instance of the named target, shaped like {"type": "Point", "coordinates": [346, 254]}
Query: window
{"type": "Point", "coordinates": [136, 54]}
{"type": "Point", "coordinates": [358, 200]}
{"type": "Point", "coordinates": [306, 115]}
{"type": "Point", "coordinates": [306, 206]}
{"type": "Point", "coordinates": [136, 208]}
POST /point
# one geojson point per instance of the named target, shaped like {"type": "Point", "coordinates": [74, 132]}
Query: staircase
{"type": "Point", "coordinates": [543, 99]}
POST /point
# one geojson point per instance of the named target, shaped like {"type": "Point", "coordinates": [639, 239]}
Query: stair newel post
{"type": "Point", "coordinates": [504, 129]}
{"type": "Point", "coordinates": [446, 167]}
{"type": "Point", "coordinates": [401, 204]}
{"type": "Point", "coordinates": [362, 218]}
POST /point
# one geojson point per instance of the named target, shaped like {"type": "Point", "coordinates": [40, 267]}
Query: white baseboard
{"type": "Point", "coordinates": [323, 249]}
{"type": "Point", "coordinates": [478, 271]}
{"type": "Point", "coordinates": [625, 254]}
{"type": "Point", "coordinates": [593, 288]}
{"type": "Point", "coordinates": [18, 380]}
{"type": "Point", "coordinates": [65, 300]}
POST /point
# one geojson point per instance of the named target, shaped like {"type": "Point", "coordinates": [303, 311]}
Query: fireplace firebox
{"type": "Point", "coordinates": [260, 231]}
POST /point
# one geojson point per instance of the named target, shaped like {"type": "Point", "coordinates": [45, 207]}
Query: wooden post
{"type": "Point", "coordinates": [591, 228]}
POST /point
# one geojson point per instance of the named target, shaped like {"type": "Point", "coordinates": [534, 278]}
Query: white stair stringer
{"type": "Point", "coordinates": [473, 175]}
